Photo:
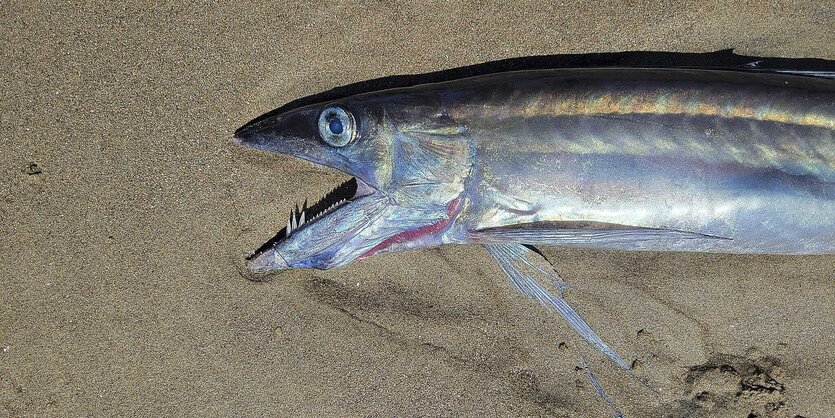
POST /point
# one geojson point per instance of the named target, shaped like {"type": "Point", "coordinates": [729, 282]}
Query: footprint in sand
{"type": "Point", "coordinates": [732, 385]}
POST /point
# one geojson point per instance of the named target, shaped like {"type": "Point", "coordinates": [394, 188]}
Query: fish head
{"type": "Point", "coordinates": [408, 163]}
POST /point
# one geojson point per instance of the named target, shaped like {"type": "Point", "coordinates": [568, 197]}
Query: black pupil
{"type": "Point", "coordinates": [335, 126]}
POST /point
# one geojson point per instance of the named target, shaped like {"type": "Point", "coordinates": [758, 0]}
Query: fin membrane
{"type": "Point", "coordinates": [522, 266]}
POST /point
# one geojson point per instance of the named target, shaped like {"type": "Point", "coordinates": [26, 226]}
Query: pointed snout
{"type": "Point", "coordinates": [296, 134]}
{"type": "Point", "coordinates": [286, 133]}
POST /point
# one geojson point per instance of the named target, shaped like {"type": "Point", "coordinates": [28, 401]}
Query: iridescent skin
{"type": "Point", "coordinates": [750, 162]}
{"type": "Point", "coordinates": [709, 160]}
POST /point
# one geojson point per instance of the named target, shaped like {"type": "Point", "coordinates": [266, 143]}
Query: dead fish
{"type": "Point", "coordinates": [614, 158]}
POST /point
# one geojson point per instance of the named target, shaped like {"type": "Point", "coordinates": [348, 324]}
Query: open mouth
{"type": "Point", "coordinates": [337, 198]}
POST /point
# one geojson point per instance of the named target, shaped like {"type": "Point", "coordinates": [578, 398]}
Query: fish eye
{"type": "Point", "coordinates": [336, 126]}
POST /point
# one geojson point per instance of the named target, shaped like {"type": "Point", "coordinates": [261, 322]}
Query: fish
{"type": "Point", "coordinates": [639, 159]}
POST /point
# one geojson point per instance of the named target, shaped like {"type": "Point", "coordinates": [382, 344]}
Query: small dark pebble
{"type": "Point", "coordinates": [33, 169]}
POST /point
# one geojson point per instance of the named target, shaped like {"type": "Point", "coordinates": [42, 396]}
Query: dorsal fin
{"type": "Point", "coordinates": [724, 59]}
{"type": "Point", "coordinates": [768, 66]}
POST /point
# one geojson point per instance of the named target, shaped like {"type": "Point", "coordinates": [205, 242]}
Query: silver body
{"type": "Point", "coordinates": [632, 159]}
{"type": "Point", "coordinates": [750, 161]}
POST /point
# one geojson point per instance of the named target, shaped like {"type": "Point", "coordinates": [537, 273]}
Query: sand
{"type": "Point", "coordinates": [125, 213]}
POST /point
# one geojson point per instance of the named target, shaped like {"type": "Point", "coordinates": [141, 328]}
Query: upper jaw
{"type": "Point", "coordinates": [293, 134]}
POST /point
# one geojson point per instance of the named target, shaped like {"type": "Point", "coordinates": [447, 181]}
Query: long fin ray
{"type": "Point", "coordinates": [600, 235]}
{"type": "Point", "coordinates": [509, 256]}
{"type": "Point", "coordinates": [600, 391]}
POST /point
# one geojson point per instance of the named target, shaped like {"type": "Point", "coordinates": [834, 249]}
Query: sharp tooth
{"type": "Point", "coordinates": [301, 219]}
{"type": "Point", "coordinates": [295, 222]}
{"type": "Point", "coordinates": [289, 228]}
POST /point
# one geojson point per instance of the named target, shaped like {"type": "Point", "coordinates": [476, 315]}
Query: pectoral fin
{"type": "Point", "coordinates": [525, 269]}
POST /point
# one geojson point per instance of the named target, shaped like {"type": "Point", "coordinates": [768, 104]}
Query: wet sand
{"type": "Point", "coordinates": [125, 213]}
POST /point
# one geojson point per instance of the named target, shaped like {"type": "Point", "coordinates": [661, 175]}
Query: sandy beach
{"type": "Point", "coordinates": [126, 212]}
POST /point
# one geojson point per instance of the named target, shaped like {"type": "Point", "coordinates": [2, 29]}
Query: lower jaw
{"type": "Point", "coordinates": [413, 235]}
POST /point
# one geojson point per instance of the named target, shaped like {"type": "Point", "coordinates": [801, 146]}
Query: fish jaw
{"type": "Point", "coordinates": [296, 133]}
{"type": "Point", "coordinates": [314, 234]}
{"type": "Point", "coordinates": [293, 134]}
{"type": "Point", "coordinates": [266, 261]}
{"type": "Point", "coordinates": [408, 167]}
{"type": "Point", "coordinates": [320, 235]}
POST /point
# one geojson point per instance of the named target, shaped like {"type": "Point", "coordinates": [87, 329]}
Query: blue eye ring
{"type": "Point", "coordinates": [336, 126]}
